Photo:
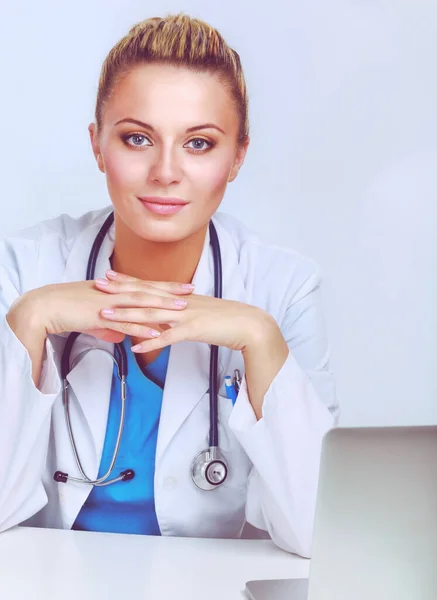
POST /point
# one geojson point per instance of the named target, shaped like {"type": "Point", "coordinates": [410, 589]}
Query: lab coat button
{"type": "Point", "coordinates": [169, 483]}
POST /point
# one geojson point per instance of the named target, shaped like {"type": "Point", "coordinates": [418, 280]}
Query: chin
{"type": "Point", "coordinates": [160, 232]}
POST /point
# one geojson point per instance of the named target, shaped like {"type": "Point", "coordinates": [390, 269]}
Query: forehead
{"type": "Point", "coordinates": [164, 95]}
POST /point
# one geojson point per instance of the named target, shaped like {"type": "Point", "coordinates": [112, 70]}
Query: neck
{"type": "Point", "coordinates": [156, 261]}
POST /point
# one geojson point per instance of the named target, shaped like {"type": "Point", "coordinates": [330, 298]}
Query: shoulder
{"type": "Point", "coordinates": [282, 269]}
{"type": "Point", "coordinates": [64, 227]}
{"type": "Point", "coordinates": [32, 256]}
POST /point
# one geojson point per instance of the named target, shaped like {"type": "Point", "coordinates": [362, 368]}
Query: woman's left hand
{"type": "Point", "coordinates": [204, 319]}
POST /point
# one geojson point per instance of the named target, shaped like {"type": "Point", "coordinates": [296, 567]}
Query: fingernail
{"type": "Point", "coordinates": [136, 348]}
{"type": "Point", "coordinates": [180, 302]}
{"type": "Point", "coordinates": [102, 281]}
{"type": "Point", "coordinates": [111, 273]}
{"type": "Point", "coordinates": [154, 333]}
{"type": "Point", "coordinates": [188, 286]}
{"type": "Point", "coordinates": [107, 311]}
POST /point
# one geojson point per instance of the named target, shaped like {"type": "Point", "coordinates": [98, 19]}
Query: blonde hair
{"type": "Point", "coordinates": [176, 40]}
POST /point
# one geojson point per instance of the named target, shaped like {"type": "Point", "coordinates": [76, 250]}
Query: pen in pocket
{"type": "Point", "coordinates": [231, 392]}
{"type": "Point", "coordinates": [237, 380]}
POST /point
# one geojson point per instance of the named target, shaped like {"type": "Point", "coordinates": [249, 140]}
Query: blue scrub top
{"type": "Point", "coordinates": [129, 506]}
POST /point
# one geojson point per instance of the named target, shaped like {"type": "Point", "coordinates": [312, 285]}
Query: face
{"type": "Point", "coordinates": [168, 132]}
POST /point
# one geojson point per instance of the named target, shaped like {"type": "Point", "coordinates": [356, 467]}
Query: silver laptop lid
{"type": "Point", "coordinates": [376, 520]}
{"type": "Point", "coordinates": [277, 589]}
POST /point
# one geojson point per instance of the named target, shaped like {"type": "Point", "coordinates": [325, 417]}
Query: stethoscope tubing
{"type": "Point", "coordinates": [122, 370]}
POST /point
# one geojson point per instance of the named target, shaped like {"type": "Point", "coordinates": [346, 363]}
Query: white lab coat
{"type": "Point", "coordinates": [273, 463]}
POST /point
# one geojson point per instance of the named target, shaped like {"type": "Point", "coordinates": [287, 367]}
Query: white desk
{"type": "Point", "coordinates": [41, 564]}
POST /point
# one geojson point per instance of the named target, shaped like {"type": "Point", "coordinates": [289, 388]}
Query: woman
{"type": "Point", "coordinates": [170, 132]}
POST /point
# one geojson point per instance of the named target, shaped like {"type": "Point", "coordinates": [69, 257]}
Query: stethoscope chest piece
{"type": "Point", "coordinates": [209, 469]}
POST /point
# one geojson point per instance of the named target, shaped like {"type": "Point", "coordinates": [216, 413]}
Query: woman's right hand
{"type": "Point", "coordinates": [76, 306]}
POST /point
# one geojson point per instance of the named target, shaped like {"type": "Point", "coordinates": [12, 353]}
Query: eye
{"type": "Point", "coordinates": [199, 142]}
{"type": "Point", "coordinates": [137, 139]}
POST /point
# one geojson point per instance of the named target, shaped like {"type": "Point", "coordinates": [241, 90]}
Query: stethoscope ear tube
{"type": "Point", "coordinates": [126, 475]}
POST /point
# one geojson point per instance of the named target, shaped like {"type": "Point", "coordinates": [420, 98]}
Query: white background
{"type": "Point", "coordinates": [342, 165]}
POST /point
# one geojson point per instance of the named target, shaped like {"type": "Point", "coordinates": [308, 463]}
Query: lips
{"type": "Point", "coordinates": [162, 200]}
{"type": "Point", "coordinates": [163, 205]}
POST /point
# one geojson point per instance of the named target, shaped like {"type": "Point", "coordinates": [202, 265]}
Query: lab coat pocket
{"type": "Point", "coordinates": [239, 465]}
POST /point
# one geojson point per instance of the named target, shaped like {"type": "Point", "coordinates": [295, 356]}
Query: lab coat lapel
{"type": "Point", "coordinates": [90, 385]}
{"type": "Point", "coordinates": [187, 378]}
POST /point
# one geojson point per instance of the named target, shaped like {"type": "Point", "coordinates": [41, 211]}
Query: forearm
{"type": "Point", "coordinates": [31, 334]}
{"type": "Point", "coordinates": [264, 355]}
{"type": "Point", "coordinates": [25, 416]}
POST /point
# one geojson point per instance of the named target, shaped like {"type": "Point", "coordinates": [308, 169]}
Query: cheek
{"type": "Point", "coordinates": [212, 178]}
{"type": "Point", "coordinates": [122, 170]}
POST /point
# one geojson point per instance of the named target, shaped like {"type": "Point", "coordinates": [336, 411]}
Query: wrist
{"type": "Point", "coordinates": [263, 330]}
{"type": "Point", "coordinates": [24, 321]}
{"type": "Point", "coordinates": [264, 355]}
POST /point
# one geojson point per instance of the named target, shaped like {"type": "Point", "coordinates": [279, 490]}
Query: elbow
{"type": "Point", "coordinates": [294, 545]}
{"type": "Point", "coordinates": [294, 539]}
{"type": "Point", "coordinates": [12, 515]}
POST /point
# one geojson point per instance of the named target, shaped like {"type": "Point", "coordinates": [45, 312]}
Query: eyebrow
{"type": "Point", "coordinates": [189, 130]}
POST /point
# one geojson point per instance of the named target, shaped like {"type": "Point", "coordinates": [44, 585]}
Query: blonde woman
{"type": "Point", "coordinates": [128, 424]}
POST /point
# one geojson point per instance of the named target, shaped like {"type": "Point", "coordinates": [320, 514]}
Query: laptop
{"type": "Point", "coordinates": [375, 534]}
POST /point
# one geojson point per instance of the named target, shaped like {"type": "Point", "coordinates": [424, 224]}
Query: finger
{"type": "Point", "coordinates": [134, 330]}
{"type": "Point", "coordinates": [107, 335]}
{"type": "Point", "coordinates": [146, 302]}
{"type": "Point", "coordinates": [167, 338]}
{"type": "Point", "coordinates": [141, 315]}
{"type": "Point", "coordinates": [118, 287]}
{"type": "Point", "coordinates": [166, 286]}
{"type": "Point", "coordinates": [112, 287]}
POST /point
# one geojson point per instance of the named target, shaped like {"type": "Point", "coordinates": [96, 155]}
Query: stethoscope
{"type": "Point", "coordinates": [208, 469]}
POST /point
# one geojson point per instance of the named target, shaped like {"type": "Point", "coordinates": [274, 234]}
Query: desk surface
{"type": "Point", "coordinates": [46, 563]}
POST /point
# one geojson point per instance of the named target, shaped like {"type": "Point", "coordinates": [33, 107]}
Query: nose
{"type": "Point", "coordinates": [165, 168]}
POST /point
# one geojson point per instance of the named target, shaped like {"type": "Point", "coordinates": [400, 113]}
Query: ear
{"type": "Point", "coordinates": [239, 159]}
{"type": "Point", "coordinates": [92, 128]}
